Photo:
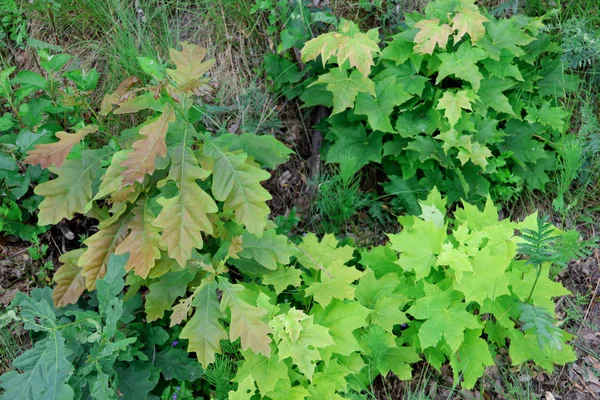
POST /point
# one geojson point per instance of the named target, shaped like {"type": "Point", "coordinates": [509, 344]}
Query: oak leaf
{"type": "Point", "coordinates": [70, 284]}
{"type": "Point", "coordinates": [190, 67]}
{"type": "Point", "coordinates": [56, 153]}
{"type": "Point", "coordinates": [119, 95]}
{"type": "Point", "coordinates": [142, 160]}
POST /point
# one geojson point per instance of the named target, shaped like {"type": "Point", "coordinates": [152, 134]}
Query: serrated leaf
{"type": "Point", "coordinates": [70, 283]}
{"type": "Point", "coordinates": [504, 34]}
{"type": "Point", "coordinates": [142, 241]}
{"type": "Point", "coordinates": [346, 44]}
{"type": "Point", "coordinates": [203, 330]}
{"type": "Point", "coordinates": [56, 153]}
{"type": "Point", "coordinates": [266, 149]}
{"type": "Point", "coordinates": [70, 192]}
{"type": "Point", "coordinates": [282, 277]}
{"type": "Point", "coordinates": [471, 359]}
{"type": "Point", "coordinates": [99, 248]}
{"type": "Point", "coordinates": [265, 371]}
{"type": "Point", "coordinates": [354, 147]}
{"type": "Point", "coordinates": [335, 282]}
{"type": "Point", "coordinates": [165, 291]}
{"type": "Point", "coordinates": [471, 22]}
{"type": "Point", "coordinates": [491, 94]}
{"type": "Point", "coordinates": [379, 107]}
{"type": "Point", "coordinates": [236, 182]}
{"type": "Point", "coordinates": [430, 35]}
{"type": "Point", "coordinates": [190, 68]}
{"type": "Point", "coordinates": [185, 216]}
{"type": "Point", "coordinates": [454, 103]}
{"type": "Point", "coordinates": [269, 250]}
{"type": "Point", "coordinates": [345, 88]}
{"type": "Point", "coordinates": [462, 64]}
{"type": "Point", "coordinates": [246, 320]}
{"type": "Point", "coordinates": [141, 160]}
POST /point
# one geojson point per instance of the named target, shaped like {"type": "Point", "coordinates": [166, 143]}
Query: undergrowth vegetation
{"type": "Point", "coordinates": [403, 258]}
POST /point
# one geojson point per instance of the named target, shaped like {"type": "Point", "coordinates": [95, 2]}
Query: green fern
{"type": "Point", "coordinates": [537, 244]}
{"type": "Point", "coordinates": [540, 322]}
{"type": "Point", "coordinates": [219, 375]}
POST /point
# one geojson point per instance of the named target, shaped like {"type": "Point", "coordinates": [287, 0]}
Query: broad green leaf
{"type": "Point", "coordinates": [471, 359]}
{"type": "Point", "coordinates": [344, 87]}
{"type": "Point", "coordinates": [185, 216]}
{"type": "Point", "coordinates": [70, 192]}
{"type": "Point", "coordinates": [246, 389]}
{"type": "Point", "coordinates": [354, 147]}
{"type": "Point", "coordinates": [265, 371]}
{"type": "Point", "coordinates": [203, 330]}
{"type": "Point", "coordinates": [70, 283]}
{"type": "Point", "coordinates": [381, 260]}
{"type": "Point", "coordinates": [282, 277]}
{"type": "Point", "coordinates": [484, 281]}
{"type": "Point", "coordinates": [176, 364]}
{"type": "Point", "coordinates": [504, 34]}
{"type": "Point", "coordinates": [454, 103]}
{"type": "Point", "coordinates": [471, 22]}
{"type": "Point", "coordinates": [269, 250]}
{"type": "Point", "coordinates": [523, 278]}
{"type": "Point", "coordinates": [444, 317]}
{"type": "Point", "coordinates": [430, 35]}
{"type": "Point", "coordinates": [266, 150]}
{"type": "Point", "coordinates": [112, 284]}
{"type": "Point", "coordinates": [163, 293]}
{"type": "Point", "coordinates": [525, 347]}
{"type": "Point", "coordinates": [318, 255]}
{"type": "Point", "coordinates": [101, 389]}
{"type": "Point", "coordinates": [491, 94]}
{"type": "Point", "coordinates": [335, 282]}
{"type": "Point", "coordinates": [136, 381]}
{"type": "Point", "coordinates": [379, 107]}
{"type": "Point", "coordinates": [419, 246]}
{"type": "Point", "coordinates": [455, 259]}
{"type": "Point", "coordinates": [462, 64]}
{"type": "Point", "coordinates": [346, 44]}
{"type": "Point", "coordinates": [236, 182]}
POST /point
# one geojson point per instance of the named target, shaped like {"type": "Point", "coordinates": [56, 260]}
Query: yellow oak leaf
{"type": "Point", "coordinates": [56, 153]}
{"type": "Point", "coordinates": [431, 33]}
{"type": "Point", "coordinates": [235, 247]}
{"type": "Point", "coordinates": [470, 22]}
{"type": "Point", "coordinates": [70, 284]}
{"type": "Point", "coordinates": [190, 67]}
{"type": "Point", "coordinates": [142, 241]}
{"type": "Point", "coordinates": [142, 160]}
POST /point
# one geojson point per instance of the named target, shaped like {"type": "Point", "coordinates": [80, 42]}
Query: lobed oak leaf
{"type": "Point", "coordinates": [99, 248]}
{"type": "Point", "coordinates": [56, 153]}
{"type": "Point", "coordinates": [236, 183]}
{"type": "Point", "coordinates": [471, 22]}
{"type": "Point", "coordinates": [430, 34]}
{"type": "Point", "coordinates": [142, 241]}
{"type": "Point", "coordinates": [203, 330]}
{"type": "Point", "coordinates": [185, 216]}
{"type": "Point", "coordinates": [141, 160]}
{"type": "Point", "coordinates": [119, 95]}
{"type": "Point", "coordinates": [190, 68]}
{"type": "Point", "coordinates": [70, 283]}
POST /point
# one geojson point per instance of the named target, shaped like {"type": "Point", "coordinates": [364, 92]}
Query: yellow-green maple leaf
{"type": "Point", "coordinates": [454, 103]}
{"type": "Point", "coordinates": [471, 22]}
{"type": "Point", "coordinates": [70, 284]}
{"type": "Point", "coordinates": [345, 88]}
{"type": "Point", "coordinates": [142, 241]}
{"type": "Point", "coordinates": [346, 44]}
{"type": "Point", "coordinates": [141, 160]}
{"type": "Point", "coordinates": [190, 68]}
{"type": "Point", "coordinates": [335, 282]}
{"type": "Point", "coordinates": [236, 182]}
{"type": "Point", "coordinates": [430, 34]}
{"type": "Point", "coordinates": [184, 217]}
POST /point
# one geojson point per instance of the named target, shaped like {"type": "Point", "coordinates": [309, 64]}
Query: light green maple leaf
{"type": "Point", "coordinates": [471, 359]}
{"type": "Point", "coordinates": [462, 64]}
{"type": "Point", "coordinates": [266, 372]}
{"type": "Point", "coordinates": [453, 103]}
{"type": "Point", "coordinates": [504, 34]}
{"type": "Point", "coordinates": [505, 67]}
{"type": "Point", "coordinates": [381, 260]}
{"type": "Point", "coordinates": [524, 347]}
{"type": "Point", "coordinates": [444, 317]}
{"type": "Point", "coordinates": [471, 22]}
{"type": "Point", "coordinates": [335, 282]}
{"type": "Point", "coordinates": [401, 48]}
{"type": "Point", "coordinates": [355, 146]}
{"type": "Point", "coordinates": [269, 250]}
{"type": "Point", "coordinates": [488, 278]}
{"type": "Point", "coordinates": [370, 289]}
{"type": "Point", "coordinates": [552, 117]}
{"type": "Point", "coordinates": [386, 312]}
{"type": "Point", "coordinates": [379, 107]}
{"type": "Point", "coordinates": [419, 246]}
{"type": "Point", "coordinates": [491, 94]}
{"type": "Point", "coordinates": [342, 319]}
{"type": "Point", "coordinates": [455, 259]}
{"type": "Point", "coordinates": [317, 255]}
{"type": "Point", "coordinates": [523, 277]}
{"type": "Point", "coordinates": [245, 390]}
{"type": "Point", "coordinates": [345, 88]}
{"type": "Point", "coordinates": [282, 277]}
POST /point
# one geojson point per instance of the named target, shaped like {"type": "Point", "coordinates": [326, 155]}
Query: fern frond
{"type": "Point", "coordinates": [537, 244]}
{"type": "Point", "coordinates": [539, 321]}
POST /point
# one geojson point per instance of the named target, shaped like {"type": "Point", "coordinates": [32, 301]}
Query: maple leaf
{"type": "Point", "coordinates": [524, 282]}
{"type": "Point", "coordinates": [70, 284]}
{"type": "Point", "coordinates": [317, 255]}
{"type": "Point", "coordinates": [444, 317]}
{"type": "Point", "coordinates": [488, 278]}
{"type": "Point", "coordinates": [430, 34]}
{"type": "Point", "coordinates": [99, 248]}
{"type": "Point", "coordinates": [141, 160]}
{"type": "Point", "coordinates": [282, 277]}
{"type": "Point", "coordinates": [266, 372]}
{"type": "Point", "coordinates": [467, 150]}
{"type": "Point", "coordinates": [246, 320]}
{"type": "Point", "coordinates": [298, 337]}
{"type": "Point", "coordinates": [379, 107]}
{"type": "Point", "coordinates": [491, 94]}
{"type": "Point", "coordinates": [185, 216]}
{"type": "Point", "coordinates": [190, 67]}
{"type": "Point", "coordinates": [236, 182]}
{"type": "Point", "coordinates": [70, 192]}
{"type": "Point", "coordinates": [334, 282]}
{"type": "Point", "coordinates": [453, 103]}
{"type": "Point", "coordinates": [504, 67]}
{"type": "Point", "coordinates": [245, 390]}
{"type": "Point", "coordinates": [347, 44]}
{"type": "Point", "coordinates": [381, 260]}
{"type": "Point", "coordinates": [203, 330]}
{"type": "Point", "coordinates": [471, 22]}
{"type": "Point", "coordinates": [354, 146]}
{"type": "Point", "coordinates": [504, 34]}
{"type": "Point", "coordinates": [142, 241]}
{"type": "Point", "coordinates": [162, 293]}
{"type": "Point", "coordinates": [462, 64]}
{"type": "Point", "coordinates": [419, 246]}
{"type": "Point", "coordinates": [471, 359]}
{"type": "Point", "coordinates": [342, 318]}
{"type": "Point", "coordinates": [524, 347]}
{"type": "Point", "coordinates": [269, 250]}
{"type": "Point", "coordinates": [56, 153]}
{"type": "Point", "coordinates": [378, 295]}
{"type": "Point", "coordinates": [345, 88]}
{"type": "Point", "coordinates": [455, 259]}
